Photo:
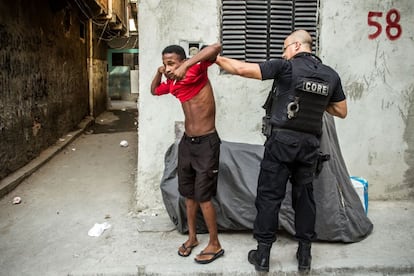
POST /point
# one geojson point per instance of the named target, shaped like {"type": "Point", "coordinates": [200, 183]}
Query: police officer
{"type": "Point", "coordinates": [303, 89]}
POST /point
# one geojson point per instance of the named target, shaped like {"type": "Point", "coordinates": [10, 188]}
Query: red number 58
{"type": "Point", "coordinates": [393, 29]}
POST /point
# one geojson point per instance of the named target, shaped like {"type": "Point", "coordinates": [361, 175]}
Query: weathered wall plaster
{"type": "Point", "coordinates": [43, 79]}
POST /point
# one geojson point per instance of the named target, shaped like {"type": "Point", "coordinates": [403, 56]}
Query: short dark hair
{"type": "Point", "coordinates": [175, 49]}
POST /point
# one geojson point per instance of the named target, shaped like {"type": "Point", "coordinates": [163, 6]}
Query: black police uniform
{"type": "Point", "coordinates": [304, 87]}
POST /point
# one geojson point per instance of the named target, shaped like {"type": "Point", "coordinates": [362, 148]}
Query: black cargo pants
{"type": "Point", "coordinates": [288, 155]}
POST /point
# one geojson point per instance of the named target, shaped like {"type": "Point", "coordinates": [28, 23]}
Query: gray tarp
{"type": "Point", "coordinates": [340, 215]}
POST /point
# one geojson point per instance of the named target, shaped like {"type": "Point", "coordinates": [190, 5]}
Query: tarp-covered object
{"type": "Point", "coordinates": [340, 215]}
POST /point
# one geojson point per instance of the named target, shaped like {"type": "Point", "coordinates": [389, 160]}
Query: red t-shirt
{"type": "Point", "coordinates": [185, 89]}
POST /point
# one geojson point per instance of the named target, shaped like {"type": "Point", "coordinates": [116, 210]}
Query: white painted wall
{"type": "Point", "coordinates": [376, 138]}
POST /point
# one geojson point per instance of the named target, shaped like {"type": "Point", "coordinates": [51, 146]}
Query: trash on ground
{"type": "Point", "coordinates": [17, 200]}
{"type": "Point", "coordinates": [98, 229]}
{"type": "Point", "coordinates": [123, 143]}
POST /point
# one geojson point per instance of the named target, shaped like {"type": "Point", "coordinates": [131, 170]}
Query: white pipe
{"type": "Point", "coordinates": [109, 16]}
{"type": "Point", "coordinates": [127, 11]}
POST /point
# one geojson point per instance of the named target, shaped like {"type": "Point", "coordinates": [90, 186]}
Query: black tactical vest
{"type": "Point", "coordinates": [302, 106]}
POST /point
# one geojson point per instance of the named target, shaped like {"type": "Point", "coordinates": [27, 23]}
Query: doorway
{"type": "Point", "coordinates": [123, 74]}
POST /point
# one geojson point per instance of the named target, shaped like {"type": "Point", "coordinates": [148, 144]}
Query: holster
{"type": "Point", "coordinates": [267, 106]}
{"type": "Point", "coordinates": [319, 164]}
{"type": "Point", "coordinates": [266, 126]}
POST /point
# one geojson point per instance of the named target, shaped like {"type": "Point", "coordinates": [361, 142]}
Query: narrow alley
{"type": "Point", "coordinates": [89, 181]}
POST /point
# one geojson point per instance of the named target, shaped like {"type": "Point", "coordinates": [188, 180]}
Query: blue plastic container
{"type": "Point", "coordinates": [361, 187]}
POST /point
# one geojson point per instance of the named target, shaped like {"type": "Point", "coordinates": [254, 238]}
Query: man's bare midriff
{"type": "Point", "coordinates": [200, 113]}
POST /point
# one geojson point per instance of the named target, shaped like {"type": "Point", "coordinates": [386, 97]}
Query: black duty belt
{"type": "Point", "coordinates": [283, 129]}
{"type": "Point", "coordinates": [274, 129]}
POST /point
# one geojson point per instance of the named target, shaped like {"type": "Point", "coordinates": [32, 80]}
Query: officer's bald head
{"type": "Point", "coordinates": [297, 42]}
{"type": "Point", "coordinates": [303, 37]}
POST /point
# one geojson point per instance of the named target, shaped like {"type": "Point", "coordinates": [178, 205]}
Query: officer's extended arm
{"type": "Point", "coordinates": [338, 109]}
{"type": "Point", "coordinates": [237, 67]}
{"type": "Point", "coordinates": [208, 53]}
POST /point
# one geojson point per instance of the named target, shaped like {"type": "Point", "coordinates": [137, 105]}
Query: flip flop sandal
{"type": "Point", "coordinates": [215, 256]}
{"type": "Point", "coordinates": [186, 249]}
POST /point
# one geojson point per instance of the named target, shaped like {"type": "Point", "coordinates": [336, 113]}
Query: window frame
{"type": "Point", "coordinates": [243, 27]}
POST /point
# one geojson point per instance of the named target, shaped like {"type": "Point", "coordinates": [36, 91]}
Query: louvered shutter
{"type": "Point", "coordinates": [306, 18]}
{"type": "Point", "coordinates": [254, 30]}
{"type": "Point", "coordinates": [234, 29]}
{"type": "Point", "coordinates": [281, 26]}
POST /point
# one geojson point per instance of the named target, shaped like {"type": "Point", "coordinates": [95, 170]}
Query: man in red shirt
{"type": "Point", "coordinates": [199, 148]}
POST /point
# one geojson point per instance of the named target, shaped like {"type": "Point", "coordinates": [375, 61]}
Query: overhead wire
{"type": "Point", "coordinates": [87, 15]}
{"type": "Point", "coordinates": [111, 35]}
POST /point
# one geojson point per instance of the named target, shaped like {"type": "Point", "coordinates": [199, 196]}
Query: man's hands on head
{"type": "Point", "coordinates": [161, 69]}
{"type": "Point", "coordinates": [179, 72]}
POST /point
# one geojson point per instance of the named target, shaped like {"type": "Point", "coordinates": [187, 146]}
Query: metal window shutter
{"type": "Point", "coordinates": [281, 25]}
{"type": "Point", "coordinates": [306, 17]}
{"type": "Point", "coordinates": [234, 29]}
{"type": "Point", "coordinates": [254, 30]}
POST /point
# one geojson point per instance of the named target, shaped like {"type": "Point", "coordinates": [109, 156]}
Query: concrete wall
{"type": "Point", "coordinates": [43, 78]}
{"type": "Point", "coordinates": [377, 139]}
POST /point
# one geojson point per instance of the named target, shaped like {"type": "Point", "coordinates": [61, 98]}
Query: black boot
{"type": "Point", "coordinates": [304, 256]}
{"type": "Point", "coordinates": [260, 257]}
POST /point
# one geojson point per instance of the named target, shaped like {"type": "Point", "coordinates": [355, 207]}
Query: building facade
{"type": "Point", "coordinates": [369, 43]}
